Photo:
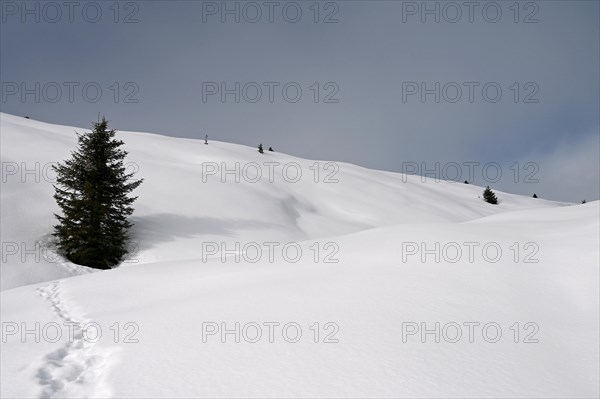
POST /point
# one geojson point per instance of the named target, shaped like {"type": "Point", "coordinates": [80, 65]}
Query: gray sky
{"type": "Point", "coordinates": [368, 61]}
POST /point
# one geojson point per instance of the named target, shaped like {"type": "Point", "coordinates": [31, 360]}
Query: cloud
{"type": "Point", "coordinates": [569, 172]}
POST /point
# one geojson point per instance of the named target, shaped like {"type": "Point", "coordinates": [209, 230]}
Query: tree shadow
{"type": "Point", "coordinates": [158, 228]}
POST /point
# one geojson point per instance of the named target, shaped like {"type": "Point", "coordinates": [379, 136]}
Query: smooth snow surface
{"type": "Point", "coordinates": [172, 292]}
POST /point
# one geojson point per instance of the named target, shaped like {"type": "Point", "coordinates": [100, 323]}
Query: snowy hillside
{"type": "Point", "coordinates": [184, 201]}
{"type": "Point", "coordinates": [510, 292]}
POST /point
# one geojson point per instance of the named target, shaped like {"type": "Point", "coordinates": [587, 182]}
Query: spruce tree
{"type": "Point", "coordinates": [535, 195]}
{"type": "Point", "coordinates": [260, 149]}
{"type": "Point", "coordinates": [92, 191]}
{"type": "Point", "coordinates": [489, 196]}
{"type": "Point", "coordinates": [271, 149]}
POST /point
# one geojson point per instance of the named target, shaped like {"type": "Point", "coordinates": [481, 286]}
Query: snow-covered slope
{"type": "Point", "coordinates": [369, 274]}
{"type": "Point", "coordinates": [184, 200]}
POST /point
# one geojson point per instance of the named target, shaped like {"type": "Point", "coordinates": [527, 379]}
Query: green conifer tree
{"type": "Point", "coordinates": [489, 196]}
{"type": "Point", "coordinates": [92, 191]}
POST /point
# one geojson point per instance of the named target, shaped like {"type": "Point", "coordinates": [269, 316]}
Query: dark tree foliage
{"type": "Point", "coordinates": [260, 149]}
{"type": "Point", "coordinates": [489, 196]}
{"type": "Point", "coordinates": [92, 191]}
{"type": "Point", "coordinates": [466, 182]}
{"type": "Point", "coordinates": [535, 195]}
{"type": "Point", "coordinates": [583, 202]}
{"type": "Point", "coordinates": [271, 149]}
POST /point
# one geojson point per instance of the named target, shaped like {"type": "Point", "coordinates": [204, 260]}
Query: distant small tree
{"type": "Point", "coordinates": [206, 139]}
{"type": "Point", "coordinates": [489, 196]}
{"type": "Point", "coordinates": [271, 149]}
{"type": "Point", "coordinates": [260, 149]}
{"type": "Point", "coordinates": [535, 195]}
{"type": "Point", "coordinates": [92, 189]}
{"type": "Point", "coordinates": [466, 182]}
{"type": "Point", "coordinates": [583, 202]}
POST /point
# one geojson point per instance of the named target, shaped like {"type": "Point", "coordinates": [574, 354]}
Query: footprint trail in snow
{"type": "Point", "coordinates": [77, 369]}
